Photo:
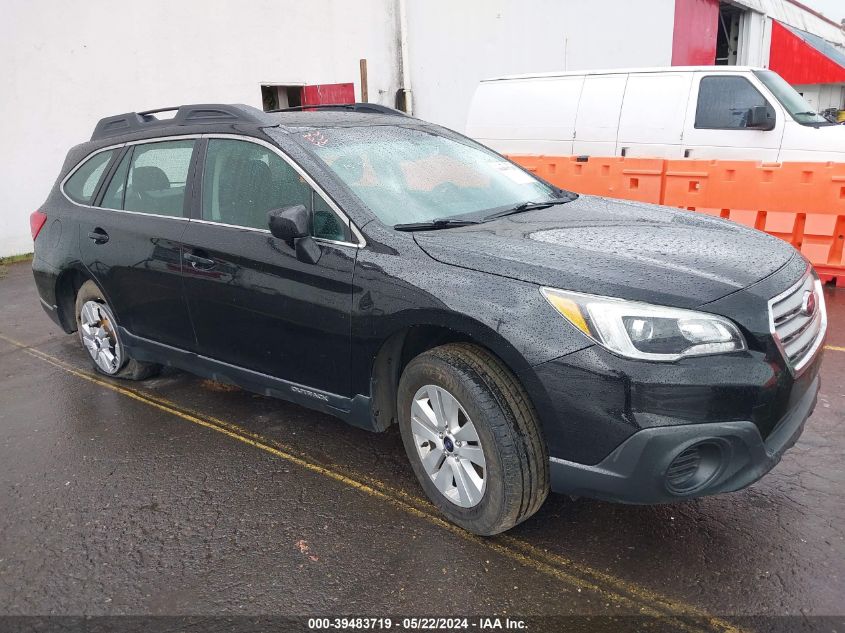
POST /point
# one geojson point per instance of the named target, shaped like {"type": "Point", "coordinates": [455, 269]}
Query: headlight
{"type": "Point", "coordinates": [645, 331]}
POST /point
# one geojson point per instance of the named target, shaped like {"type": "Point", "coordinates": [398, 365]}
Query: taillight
{"type": "Point", "coordinates": [36, 222]}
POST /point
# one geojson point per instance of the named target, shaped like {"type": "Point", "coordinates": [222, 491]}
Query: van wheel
{"type": "Point", "coordinates": [98, 334]}
{"type": "Point", "coordinates": [472, 437]}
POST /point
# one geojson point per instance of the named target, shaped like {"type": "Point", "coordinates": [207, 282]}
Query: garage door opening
{"type": "Point", "coordinates": [275, 96]}
{"type": "Point", "coordinates": [728, 40]}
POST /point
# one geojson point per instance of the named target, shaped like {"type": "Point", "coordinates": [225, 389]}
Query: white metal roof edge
{"type": "Point", "coordinates": [620, 71]}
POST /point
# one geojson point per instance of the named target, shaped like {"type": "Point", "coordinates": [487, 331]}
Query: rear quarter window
{"type": "Point", "coordinates": [80, 187]}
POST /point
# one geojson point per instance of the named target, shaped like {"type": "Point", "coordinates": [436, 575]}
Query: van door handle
{"type": "Point", "coordinates": [201, 263]}
{"type": "Point", "coordinates": [98, 235]}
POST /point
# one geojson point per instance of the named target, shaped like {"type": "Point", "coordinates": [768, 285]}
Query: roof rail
{"type": "Point", "coordinates": [196, 114]}
{"type": "Point", "coordinates": [372, 108]}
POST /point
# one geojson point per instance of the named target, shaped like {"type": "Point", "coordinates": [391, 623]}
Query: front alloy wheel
{"type": "Point", "coordinates": [472, 437]}
{"type": "Point", "coordinates": [448, 446]}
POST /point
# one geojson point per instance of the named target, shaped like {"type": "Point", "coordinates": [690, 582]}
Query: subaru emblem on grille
{"type": "Point", "coordinates": [808, 304]}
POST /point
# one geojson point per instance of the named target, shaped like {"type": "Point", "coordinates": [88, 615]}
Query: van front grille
{"type": "Point", "coordinates": [798, 321]}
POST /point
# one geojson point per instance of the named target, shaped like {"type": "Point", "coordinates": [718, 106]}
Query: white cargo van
{"type": "Point", "coordinates": [723, 112]}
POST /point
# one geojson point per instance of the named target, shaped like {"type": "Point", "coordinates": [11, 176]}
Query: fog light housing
{"type": "Point", "coordinates": [694, 467]}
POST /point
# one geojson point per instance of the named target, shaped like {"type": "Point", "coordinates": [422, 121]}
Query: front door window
{"type": "Point", "coordinates": [242, 181]}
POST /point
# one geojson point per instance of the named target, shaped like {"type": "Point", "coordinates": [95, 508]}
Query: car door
{"type": "Point", "coordinates": [597, 124]}
{"type": "Point", "coordinates": [252, 302]}
{"type": "Point", "coordinates": [717, 123]}
{"type": "Point", "coordinates": [651, 124]}
{"type": "Point", "coordinates": [130, 239]}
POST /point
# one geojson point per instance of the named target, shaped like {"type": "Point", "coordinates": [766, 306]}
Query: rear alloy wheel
{"type": "Point", "coordinates": [471, 434]}
{"type": "Point", "coordinates": [100, 337]}
{"type": "Point", "coordinates": [97, 330]}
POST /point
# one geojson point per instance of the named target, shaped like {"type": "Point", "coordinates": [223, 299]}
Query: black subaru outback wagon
{"type": "Point", "coordinates": [387, 270]}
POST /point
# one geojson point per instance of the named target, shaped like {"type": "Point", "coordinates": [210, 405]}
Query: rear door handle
{"type": "Point", "coordinates": [98, 235]}
{"type": "Point", "coordinates": [202, 263]}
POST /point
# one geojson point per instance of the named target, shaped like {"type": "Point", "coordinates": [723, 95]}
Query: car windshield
{"type": "Point", "coordinates": [790, 99]}
{"type": "Point", "coordinates": [407, 175]}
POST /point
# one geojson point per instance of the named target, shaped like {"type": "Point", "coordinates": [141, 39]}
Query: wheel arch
{"type": "Point", "coordinates": [412, 338]}
{"type": "Point", "coordinates": [68, 284]}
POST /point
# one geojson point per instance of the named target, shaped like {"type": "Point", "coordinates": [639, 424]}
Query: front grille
{"type": "Point", "coordinates": [797, 331]}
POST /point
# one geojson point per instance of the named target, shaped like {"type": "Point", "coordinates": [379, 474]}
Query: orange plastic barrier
{"type": "Point", "coordinates": [630, 178]}
{"type": "Point", "coordinates": [802, 203]}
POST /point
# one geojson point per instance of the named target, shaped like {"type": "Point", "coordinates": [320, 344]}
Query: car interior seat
{"type": "Point", "coordinates": [144, 193]}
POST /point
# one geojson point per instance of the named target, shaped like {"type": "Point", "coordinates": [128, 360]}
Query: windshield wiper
{"type": "Point", "coordinates": [527, 206]}
{"type": "Point", "coordinates": [433, 225]}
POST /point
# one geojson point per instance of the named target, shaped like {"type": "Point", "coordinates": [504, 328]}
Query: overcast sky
{"type": "Point", "coordinates": [834, 9]}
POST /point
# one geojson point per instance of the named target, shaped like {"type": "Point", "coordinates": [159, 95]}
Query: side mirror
{"type": "Point", "coordinates": [289, 223]}
{"type": "Point", "coordinates": [293, 225]}
{"type": "Point", "coordinates": [758, 119]}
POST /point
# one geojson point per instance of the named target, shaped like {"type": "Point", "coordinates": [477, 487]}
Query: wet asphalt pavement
{"type": "Point", "coordinates": [179, 496]}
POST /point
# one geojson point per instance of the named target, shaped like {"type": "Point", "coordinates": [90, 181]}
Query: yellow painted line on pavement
{"type": "Point", "coordinates": [576, 575]}
{"type": "Point", "coordinates": [835, 348]}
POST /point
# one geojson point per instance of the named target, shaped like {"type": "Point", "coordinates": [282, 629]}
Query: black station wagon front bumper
{"type": "Point", "coordinates": [671, 457]}
{"type": "Point", "coordinates": [730, 456]}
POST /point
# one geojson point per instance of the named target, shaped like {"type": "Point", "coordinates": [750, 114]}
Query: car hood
{"type": "Point", "coordinates": [616, 248]}
{"type": "Point", "coordinates": [827, 141]}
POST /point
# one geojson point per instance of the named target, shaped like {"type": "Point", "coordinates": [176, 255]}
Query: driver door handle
{"type": "Point", "coordinates": [202, 263]}
{"type": "Point", "coordinates": [98, 235]}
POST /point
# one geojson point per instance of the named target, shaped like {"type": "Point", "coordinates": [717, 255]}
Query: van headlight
{"type": "Point", "coordinates": [645, 331]}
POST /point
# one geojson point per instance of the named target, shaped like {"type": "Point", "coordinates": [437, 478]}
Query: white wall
{"type": "Point", "coordinates": [65, 65]}
{"type": "Point", "coordinates": [824, 96]}
{"type": "Point", "coordinates": [453, 44]}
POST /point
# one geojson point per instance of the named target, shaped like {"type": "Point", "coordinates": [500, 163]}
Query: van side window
{"type": "Point", "coordinates": [81, 186]}
{"type": "Point", "coordinates": [242, 181]}
{"type": "Point", "coordinates": [724, 103]}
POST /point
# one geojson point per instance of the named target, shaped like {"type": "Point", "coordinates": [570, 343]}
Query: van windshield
{"type": "Point", "coordinates": [407, 175]}
{"type": "Point", "coordinates": [790, 99]}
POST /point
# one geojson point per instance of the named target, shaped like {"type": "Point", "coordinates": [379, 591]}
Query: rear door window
{"type": "Point", "coordinates": [158, 177]}
{"type": "Point", "coordinates": [81, 186]}
{"type": "Point", "coordinates": [152, 178]}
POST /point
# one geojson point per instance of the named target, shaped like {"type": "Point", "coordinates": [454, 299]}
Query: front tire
{"type": "Point", "coordinates": [98, 333]}
{"type": "Point", "coordinates": [472, 437]}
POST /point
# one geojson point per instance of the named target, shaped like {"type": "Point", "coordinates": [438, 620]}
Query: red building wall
{"type": "Point", "coordinates": [798, 62]}
{"type": "Point", "coordinates": [696, 29]}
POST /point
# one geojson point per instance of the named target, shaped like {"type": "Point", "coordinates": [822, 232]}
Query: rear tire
{"type": "Point", "coordinates": [508, 480]}
{"type": "Point", "coordinates": [98, 333]}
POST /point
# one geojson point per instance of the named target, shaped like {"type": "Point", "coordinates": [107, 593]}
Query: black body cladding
{"type": "Point", "coordinates": [240, 305]}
